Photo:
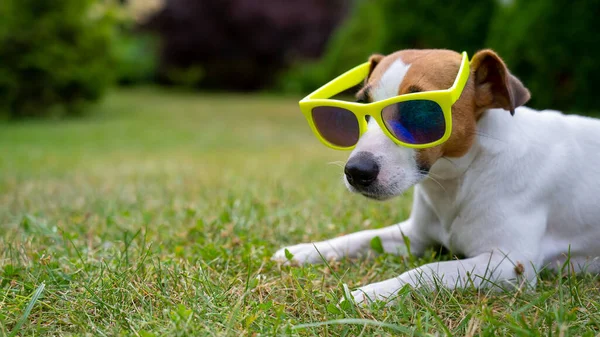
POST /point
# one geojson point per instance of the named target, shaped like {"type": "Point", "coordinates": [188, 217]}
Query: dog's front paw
{"type": "Point", "coordinates": [384, 291]}
{"type": "Point", "coordinates": [306, 253]}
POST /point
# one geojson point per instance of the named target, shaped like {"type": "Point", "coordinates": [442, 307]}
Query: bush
{"type": "Point", "coordinates": [135, 57]}
{"type": "Point", "coordinates": [239, 45]}
{"type": "Point", "coordinates": [552, 46]}
{"type": "Point", "coordinates": [56, 55]}
{"type": "Point", "coordinates": [358, 37]}
{"type": "Point", "coordinates": [135, 51]}
{"type": "Point", "coordinates": [384, 26]}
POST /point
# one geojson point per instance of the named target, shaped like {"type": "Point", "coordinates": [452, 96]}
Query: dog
{"type": "Point", "coordinates": [513, 190]}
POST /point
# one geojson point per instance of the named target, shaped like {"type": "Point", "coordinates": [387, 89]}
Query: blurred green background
{"type": "Point", "coordinates": [57, 57]}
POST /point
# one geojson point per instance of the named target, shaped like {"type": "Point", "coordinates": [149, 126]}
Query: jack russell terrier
{"type": "Point", "coordinates": [511, 189]}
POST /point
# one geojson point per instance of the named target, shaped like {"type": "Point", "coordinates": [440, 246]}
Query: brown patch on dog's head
{"type": "Point", "coordinates": [490, 85]}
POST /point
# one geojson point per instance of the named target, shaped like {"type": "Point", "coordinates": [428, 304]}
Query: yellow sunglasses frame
{"type": "Point", "coordinates": [321, 97]}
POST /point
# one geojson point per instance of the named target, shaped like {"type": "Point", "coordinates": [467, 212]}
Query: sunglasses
{"type": "Point", "coordinates": [415, 120]}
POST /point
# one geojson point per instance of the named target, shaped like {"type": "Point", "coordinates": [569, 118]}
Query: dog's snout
{"type": "Point", "coordinates": [361, 170]}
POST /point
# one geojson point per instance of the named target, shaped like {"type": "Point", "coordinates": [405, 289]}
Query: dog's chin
{"type": "Point", "coordinates": [378, 196]}
{"type": "Point", "coordinates": [376, 192]}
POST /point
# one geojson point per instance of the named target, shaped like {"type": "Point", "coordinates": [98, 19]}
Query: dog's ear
{"type": "Point", "coordinates": [495, 87]}
{"type": "Point", "coordinates": [374, 59]}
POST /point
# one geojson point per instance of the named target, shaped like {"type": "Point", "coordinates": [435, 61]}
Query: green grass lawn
{"type": "Point", "coordinates": [157, 216]}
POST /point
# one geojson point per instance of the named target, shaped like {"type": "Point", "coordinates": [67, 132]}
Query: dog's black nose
{"type": "Point", "coordinates": [361, 170]}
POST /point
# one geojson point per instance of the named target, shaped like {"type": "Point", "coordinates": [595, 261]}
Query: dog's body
{"type": "Point", "coordinates": [513, 194]}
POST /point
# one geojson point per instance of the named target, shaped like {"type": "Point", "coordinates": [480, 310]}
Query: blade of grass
{"type": "Point", "coordinates": [359, 321]}
{"type": "Point", "coordinates": [34, 298]}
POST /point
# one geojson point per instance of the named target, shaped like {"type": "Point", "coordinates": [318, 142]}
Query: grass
{"type": "Point", "coordinates": [157, 215]}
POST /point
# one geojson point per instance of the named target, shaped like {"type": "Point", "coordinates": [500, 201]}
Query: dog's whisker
{"type": "Point", "coordinates": [337, 163]}
{"type": "Point", "coordinates": [437, 182]}
{"type": "Point", "coordinates": [430, 175]}
{"type": "Point", "coordinates": [485, 135]}
{"type": "Point", "coordinates": [450, 161]}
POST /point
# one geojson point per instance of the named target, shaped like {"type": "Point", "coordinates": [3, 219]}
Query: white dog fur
{"type": "Point", "coordinates": [524, 195]}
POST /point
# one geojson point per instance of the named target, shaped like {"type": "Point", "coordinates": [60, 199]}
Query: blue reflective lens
{"type": "Point", "coordinates": [415, 122]}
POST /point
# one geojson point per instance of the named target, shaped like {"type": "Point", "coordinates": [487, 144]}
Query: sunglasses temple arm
{"type": "Point", "coordinates": [461, 79]}
{"type": "Point", "coordinates": [342, 82]}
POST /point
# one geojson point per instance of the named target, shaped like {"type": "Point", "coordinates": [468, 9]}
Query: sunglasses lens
{"type": "Point", "coordinates": [415, 122]}
{"type": "Point", "coordinates": [338, 126]}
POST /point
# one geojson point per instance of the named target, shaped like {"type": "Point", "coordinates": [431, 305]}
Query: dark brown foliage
{"type": "Point", "coordinates": [242, 44]}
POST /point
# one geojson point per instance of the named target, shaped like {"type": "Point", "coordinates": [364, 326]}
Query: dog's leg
{"type": "Point", "coordinates": [485, 270]}
{"type": "Point", "coordinates": [354, 245]}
